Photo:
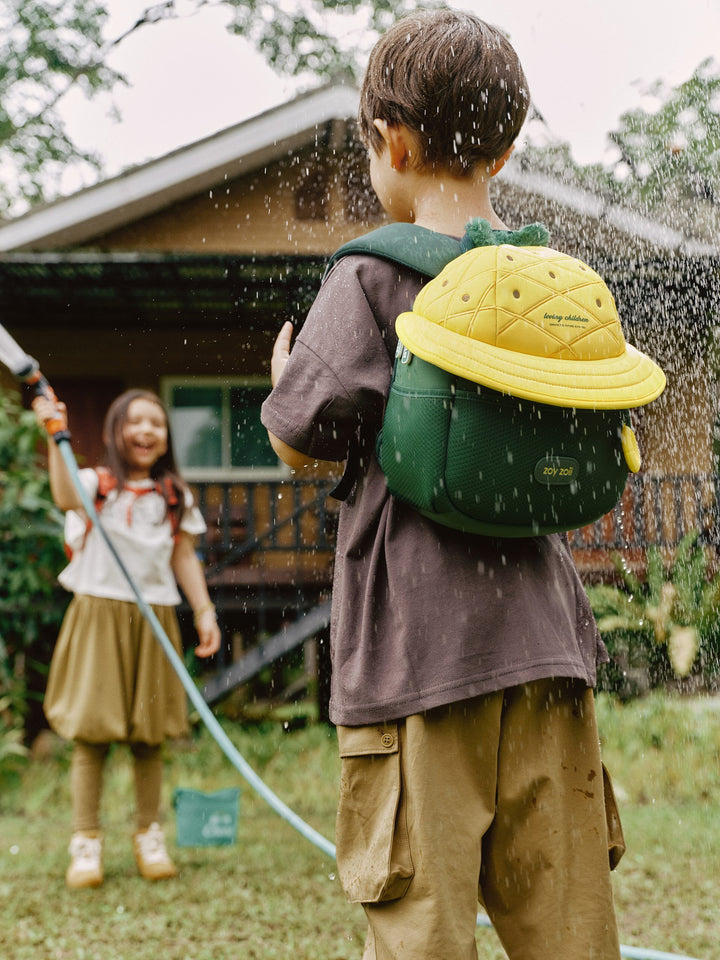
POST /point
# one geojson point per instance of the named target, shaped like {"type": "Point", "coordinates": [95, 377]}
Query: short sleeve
{"type": "Point", "coordinates": [338, 374]}
{"type": "Point", "coordinates": [76, 522]}
{"type": "Point", "coordinates": [192, 521]}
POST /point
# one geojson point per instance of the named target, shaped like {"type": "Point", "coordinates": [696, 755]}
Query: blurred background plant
{"type": "Point", "coordinates": [31, 555]}
{"type": "Point", "coordinates": [662, 628]}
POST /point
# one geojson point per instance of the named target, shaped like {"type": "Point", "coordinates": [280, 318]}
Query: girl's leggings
{"type": "Point", "coordinates": [86, 778]}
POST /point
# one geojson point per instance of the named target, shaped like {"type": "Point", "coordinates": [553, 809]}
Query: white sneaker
{"type": "Point", "coordinates": [151, 856]}
{"type": "Point", "coordinates": [85, 868]}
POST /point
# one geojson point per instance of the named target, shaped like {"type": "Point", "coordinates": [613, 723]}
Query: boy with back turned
{"type": "Point", "coordinates": [463, 665]}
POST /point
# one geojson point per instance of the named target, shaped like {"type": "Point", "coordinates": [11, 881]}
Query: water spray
{"type": "Point", "coordinates": [26, 368]}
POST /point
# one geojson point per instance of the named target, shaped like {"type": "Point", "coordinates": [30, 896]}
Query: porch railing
{"type": "Point", "coordinates": [655, 510]}
{"type": "Point", "coordinates": [263, 516]}
{"type": "Point", "coordinates": [268, 537]}
{"type": "Point", "coordinates": [297, 516]}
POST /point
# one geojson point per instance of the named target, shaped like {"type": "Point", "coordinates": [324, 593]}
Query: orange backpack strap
{"type": "Point", "coordinates": [167, 489]}
{"type": "Point", "coordinates": [106, 483]}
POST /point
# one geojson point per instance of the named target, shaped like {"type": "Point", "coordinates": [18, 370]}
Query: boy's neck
{"type": "Point", "coordinates": [445, 204]}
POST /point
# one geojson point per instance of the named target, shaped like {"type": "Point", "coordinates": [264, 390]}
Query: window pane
{"type": "Point", "coordinates": [196, 418]}
{"type": "Point", "coordinates": [249, 442]}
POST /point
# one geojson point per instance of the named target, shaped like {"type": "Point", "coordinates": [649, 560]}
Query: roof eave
{"type": "Point", "coordinates": [623, 219]}
{"type": "Point", "coordinates": [183, 173]}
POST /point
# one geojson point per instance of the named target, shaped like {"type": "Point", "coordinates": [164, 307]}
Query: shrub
{"type": "Point", "coordinates": [664, 625]}
{"type": "Point", "coordinates": [31, 555]}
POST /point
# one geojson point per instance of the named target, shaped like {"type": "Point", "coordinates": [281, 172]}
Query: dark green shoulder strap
{"type": "Point", "coordinates": [415, 247]}
{"type": "Point", "coordinates": [426, 252]}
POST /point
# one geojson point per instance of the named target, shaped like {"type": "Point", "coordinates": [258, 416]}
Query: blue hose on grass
{"type": "Point", "coordinates": [25, 368]}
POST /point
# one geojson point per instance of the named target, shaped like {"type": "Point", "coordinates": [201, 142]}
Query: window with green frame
{"type": "Point", "coordinates": [216, 426]}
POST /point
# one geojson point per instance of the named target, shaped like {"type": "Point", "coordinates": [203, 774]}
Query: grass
{"type": "Point", "coordinates": [273, 895]}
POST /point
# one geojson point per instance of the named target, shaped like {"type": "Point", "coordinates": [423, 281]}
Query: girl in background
{"type": "Point", "coordinates": [110, 680]}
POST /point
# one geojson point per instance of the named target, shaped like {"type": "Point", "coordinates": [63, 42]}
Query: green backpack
{"type": "Point", "coordinates": [467, 438]}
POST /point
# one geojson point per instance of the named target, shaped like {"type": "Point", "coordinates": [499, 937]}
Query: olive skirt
{"type": "Point", "coordinates": [109, 677]}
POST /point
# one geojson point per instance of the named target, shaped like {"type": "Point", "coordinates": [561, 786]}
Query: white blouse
{"type": "Point", "coordinates": [133, 519]}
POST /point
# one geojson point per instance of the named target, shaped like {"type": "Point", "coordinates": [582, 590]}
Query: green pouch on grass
{"type": "Point", "coordinates": [206, 819]}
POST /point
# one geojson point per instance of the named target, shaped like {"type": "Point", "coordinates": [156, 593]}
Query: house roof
{"type": "Point", "coordinates": [36, 279]}
{"type": "Point", "coordinates": [144, 189]}
{"type": "Point", "coordinates": [266, 138]}
{"type": "Point", "coordinates": [593, 207]}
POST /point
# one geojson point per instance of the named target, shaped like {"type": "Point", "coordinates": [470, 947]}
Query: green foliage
{"type": "Point", "coordinates": [329, 39]}
{"type": "Point", "coordinates": [31, 554]}
{"type": "Point", "coordinates": [668, 163]}
{"type": "Point", "coordinates": [31, 549]}
{"type": "Point", "coordinates": [670, 618]}
{"type": "Point", "coordinates": [46, 47]}
{"type": "Point", "coordinates": [13, 752]}
{"type": "Point", "coordinates": [678, 146]}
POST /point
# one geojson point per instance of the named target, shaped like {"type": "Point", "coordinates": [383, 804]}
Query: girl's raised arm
{"type": "Point", "coordinates": [62, 487]}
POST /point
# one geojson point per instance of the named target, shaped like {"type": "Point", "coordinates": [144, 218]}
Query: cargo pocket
{"type": "Point", "coordinates": [616, 838]}
{"type": "Point", "coordinates": [373, 847]}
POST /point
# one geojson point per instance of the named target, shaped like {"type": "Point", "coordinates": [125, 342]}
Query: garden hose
{"type": "Point", "coordinates": [25, 368]}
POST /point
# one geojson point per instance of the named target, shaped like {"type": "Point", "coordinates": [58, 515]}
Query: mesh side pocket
{"type": "Point", "coordinates": [412, 446]}
{"type": "Point", "coordinates": [533, 466]}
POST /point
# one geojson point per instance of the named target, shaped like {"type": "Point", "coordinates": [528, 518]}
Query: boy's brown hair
{"type": "Point", "coordinates": [454, 81]}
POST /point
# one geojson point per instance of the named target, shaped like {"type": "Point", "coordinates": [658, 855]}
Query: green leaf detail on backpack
{"type": "Point", "coordinates": [483, 235]}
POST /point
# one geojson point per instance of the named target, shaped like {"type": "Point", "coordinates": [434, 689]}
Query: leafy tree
{"type": "Point", "coordinates": [306, 36]}
{"type": "Point", "coordinates": [676, 148]}
{"type": "Point", "coordinates": [49, 46]}
{"type": "Point", "coordinates": [46, 47]}
{"type": "Point", "coordinates": [668, 159]}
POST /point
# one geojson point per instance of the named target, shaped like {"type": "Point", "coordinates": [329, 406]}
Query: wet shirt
{"type": "Point", "coordinates": [422, 615]}
{"type": "Point", "coordinates": [135, 520]}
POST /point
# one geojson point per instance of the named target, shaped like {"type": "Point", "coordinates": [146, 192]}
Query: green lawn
{"type": "Point", "coordinates": [274, 895]}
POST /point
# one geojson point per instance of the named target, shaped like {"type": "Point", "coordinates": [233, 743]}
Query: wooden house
{"type": "Point", "coordinates": [177, 274]}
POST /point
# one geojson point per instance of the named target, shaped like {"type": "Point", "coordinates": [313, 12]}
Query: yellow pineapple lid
{"type": "Point", "coordinates": [532, 322]}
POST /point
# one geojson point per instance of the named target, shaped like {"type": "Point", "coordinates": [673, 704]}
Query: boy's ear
{"type": "Point", "coordinates": [398, 141]}
{"type": "Point", "coordinates": [497, 165]}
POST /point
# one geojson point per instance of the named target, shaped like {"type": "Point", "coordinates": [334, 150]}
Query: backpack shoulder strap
{"type": "Point", "coordinates": [168, 491]}
{"type": "Point", "coordinates": [417, 248]}
{"type": "Point", "coordinates": [106, 483]}
{"type": "Point", "coordinates": [411, 246]}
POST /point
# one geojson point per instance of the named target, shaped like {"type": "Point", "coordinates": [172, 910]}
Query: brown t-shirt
{"type": "Point", "coordinates": [422, 615]}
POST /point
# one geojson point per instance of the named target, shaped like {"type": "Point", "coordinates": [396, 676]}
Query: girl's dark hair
{"type": "Point", "coordinates": [454, 81]}
{"type": "Point", "coordinates": [165, 467]}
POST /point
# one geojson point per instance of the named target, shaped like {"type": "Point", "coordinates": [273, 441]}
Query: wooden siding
{"type": "Point", "coordinates": [270, 211]}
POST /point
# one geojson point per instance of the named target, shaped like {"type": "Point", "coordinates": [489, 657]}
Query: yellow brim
{"type": "Point", "coordinates": [631, 379]}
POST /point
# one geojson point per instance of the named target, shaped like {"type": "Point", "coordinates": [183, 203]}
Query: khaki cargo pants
{"type": "Point", "coordinates": [502, 801]}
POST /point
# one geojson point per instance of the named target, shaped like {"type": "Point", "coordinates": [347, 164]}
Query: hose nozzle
{"type": "Point", "coordinates": [57, 427]}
